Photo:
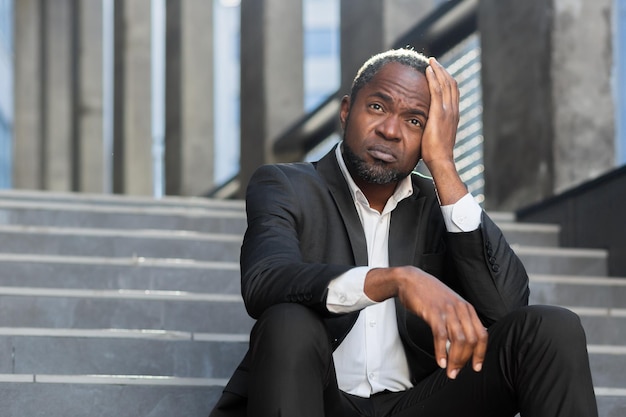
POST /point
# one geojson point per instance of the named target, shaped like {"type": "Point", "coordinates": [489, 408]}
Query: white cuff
{"type": "Point", "coordinates": [462, 216]}
{"type": "Point", "coordinates": [345, 293]}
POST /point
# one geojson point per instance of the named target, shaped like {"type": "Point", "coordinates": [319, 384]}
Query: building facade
{"type": "Point", "coordinates": [177, 97]}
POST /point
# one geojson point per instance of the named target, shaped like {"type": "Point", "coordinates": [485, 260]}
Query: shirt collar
{"type": "Point", "coordinates": [403, 190]}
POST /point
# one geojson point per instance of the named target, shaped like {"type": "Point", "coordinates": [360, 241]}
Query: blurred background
{"type": "Point", "coordinates": [179, 97]}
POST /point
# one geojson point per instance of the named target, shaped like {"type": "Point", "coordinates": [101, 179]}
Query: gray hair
{"type": "Point", "coordinates": [370, 68]}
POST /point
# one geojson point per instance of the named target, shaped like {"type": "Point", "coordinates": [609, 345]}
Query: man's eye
{"type": "Point", "coordinates": [376, 106]}
{"type": "Point", "coordinates": [416, 122]}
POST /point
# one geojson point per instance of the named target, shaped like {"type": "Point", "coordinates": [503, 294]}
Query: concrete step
{"type": "Point", "coordinates": [192, 312]}
{"type": "Point", "coordinates": [45, 197]}
{"type": "Point", "coordinates": [199, 219]}
{"type": "Point", "coordinates": [611, 402]}
{"type": "Point", "coordinates": [122, 309]}
{"type": "Point", "coordinates": [529, 234]}
{"type": "Point", "coordinates": [501, 217]}
{"type": "Point", "coordinates": [178, 354]}
{"type": "Point", "coordinates": [110, 396]}
{"type": "Point", "coordinates": [208, 219]}
{"type": "Point", "coordinates": [578, 291]}
{"type": "Point", "coordinates": [120, 242]}
{"type": "Point", "coordinates": [102, 396]}
{"type": "Point", "coordinates": [603, 326]}
{"type": "Point", "coordinates": [79, 272]}
{"type": "Point", "coordinates": [120, 352]}
{"type": "Point", "coordinates": [562, 261]}
{"type": "Point", "coordinates": [608, 365]}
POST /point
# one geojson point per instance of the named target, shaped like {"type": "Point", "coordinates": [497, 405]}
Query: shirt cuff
{"type": "Point", "coordinates": [345, 293]}
{"type": "Point", "coordinates": [462, 216]}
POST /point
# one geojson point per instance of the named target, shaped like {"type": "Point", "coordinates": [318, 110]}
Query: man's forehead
{"type": "Point", "coordinates": [400, 79]}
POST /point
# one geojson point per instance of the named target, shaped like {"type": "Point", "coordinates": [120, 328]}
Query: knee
{"type": "Point", "coordinates": [558, 325]}
{"type": "Point", "coordinates": [290, 331]}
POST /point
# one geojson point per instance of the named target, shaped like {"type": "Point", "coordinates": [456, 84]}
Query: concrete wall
{"type": "Point", "coordinates": [372, 26]}
{"type": "Point", "coordinates": [272, 78]}
{"type": "Point", "coordinates": [548, 110]}
{"type": "Point", "coordinates": [581, 65]}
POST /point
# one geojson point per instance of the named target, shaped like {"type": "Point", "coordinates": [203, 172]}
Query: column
{"type": "Point", "coordinates": [372, 26]}
{"type": "Point", "coordinates": [28, 123]}
{"type": "Point", "coordinates": [584, 114]}
{"type": "Point", "coordinates": [189, 97]}
{"type": "Point", "coordinates": [89, 147]}
{"type": "Point", "coordinates": [548, 113]}
{"type": "Point", "coordinates": [58, 94]}
{"type": "Point", "coordinates": [272, 96]}
{"type": "Point", "coordinates": [132, 163]}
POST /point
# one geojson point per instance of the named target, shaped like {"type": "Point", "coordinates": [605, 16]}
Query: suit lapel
{"type": "Point", "coordinates": [329, 170]}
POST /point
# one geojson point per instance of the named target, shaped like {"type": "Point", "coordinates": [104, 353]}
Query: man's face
{"type": "Point", "coordinates": [383, 127]}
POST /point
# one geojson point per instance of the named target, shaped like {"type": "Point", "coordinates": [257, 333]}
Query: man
{"type": "Point", "coordinates": [379, 293]}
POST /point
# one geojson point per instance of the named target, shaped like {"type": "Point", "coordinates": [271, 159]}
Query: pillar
{"type": "Point", "coordinates": [28, 122]}
{"type": "Point", "coordinates": [89, 146]}
{"type": "Point", "coordinates": [372, 26]}
{"type": "Point", "coordinates": [272, 80]}
{"type": "Point", "coordinates": [584, 114]}
{"type": "Point", "coordinates": [58, 95]}
{"type": "Point", "coordinates": [132, 161]}
{"type": "Point", "coordinates": [189, 97]}
{"type": "Point", "coordinates": [548, 112]}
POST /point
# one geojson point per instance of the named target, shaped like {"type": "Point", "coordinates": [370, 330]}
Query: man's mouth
{"type": "Point", "coordinates": [381, 153]}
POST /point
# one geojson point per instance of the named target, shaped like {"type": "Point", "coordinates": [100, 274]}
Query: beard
{"type": "Point", "coordinates": [377, 172]}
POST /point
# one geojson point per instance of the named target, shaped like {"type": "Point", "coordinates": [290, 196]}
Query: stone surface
{"type": "Point", "coordinates": [119, 356]}
{"type": "Point", "coordinates": [548, 119]}
{"type": "Point", "coordinates": [271, 82]}
{"type": "Point", "coordinates": [120, 243]}
{"type": "Point", "coordinates": [118, 273]}
{"type": "Point", "coordinates": [119, 312]}
{"type": "Point", "coordinates": [90, 400]}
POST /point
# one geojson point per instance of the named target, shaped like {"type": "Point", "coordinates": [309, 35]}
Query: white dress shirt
{"type": "Point", "coordinates": [371, 358]}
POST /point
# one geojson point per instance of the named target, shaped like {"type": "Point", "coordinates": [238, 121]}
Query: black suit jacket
{"type": "Point", "coordinates": [303, 231]}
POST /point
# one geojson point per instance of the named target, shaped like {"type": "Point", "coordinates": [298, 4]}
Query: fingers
{"type": "Point", "coordinates": [440, 335]}
{"type": "Point", "coordinates": [481, 346]}
{"type": "Point", "coordinates": [443, 117]}
{"type": "Point", "coordinates": [458, 333]}
{"type": "Point", "coordinates": [442, 86]}
{"type": "Point", "coordinates": [458, 338]}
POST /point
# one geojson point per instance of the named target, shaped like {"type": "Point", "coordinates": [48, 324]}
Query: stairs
{"type": "Point", "coordinates": [120, 306]}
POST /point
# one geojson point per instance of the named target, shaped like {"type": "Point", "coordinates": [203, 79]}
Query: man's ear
{"type": "Point", "coordinates": [345, 110]}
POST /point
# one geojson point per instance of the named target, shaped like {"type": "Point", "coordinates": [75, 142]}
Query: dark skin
{"type": "Point", "coordinates": [399, 117]}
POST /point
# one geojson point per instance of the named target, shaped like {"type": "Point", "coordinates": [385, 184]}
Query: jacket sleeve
{"type": "Point", "coordinates": [272, 266]}
{"type": "Point", "coordinates": [487, 271]}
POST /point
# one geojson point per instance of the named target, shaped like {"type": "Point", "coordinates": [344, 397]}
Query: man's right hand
{"type": "Point", "coordinates": [452, 319]}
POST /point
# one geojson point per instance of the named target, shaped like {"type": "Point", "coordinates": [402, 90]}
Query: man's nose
{"type": "Point", "coordinates": [389, 127]}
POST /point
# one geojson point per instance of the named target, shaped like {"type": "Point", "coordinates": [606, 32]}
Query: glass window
{"type": "Point", "coordinates": [6, 91]}
{"type": "Point", "coordinates": [319, 42]}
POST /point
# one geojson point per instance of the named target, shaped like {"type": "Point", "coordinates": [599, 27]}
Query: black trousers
{"type": "Point", "coordinates": [536, 364]}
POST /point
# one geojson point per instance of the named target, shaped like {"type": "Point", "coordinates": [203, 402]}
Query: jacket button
{"type": "Point", "coordinates": [495, 268]}
{"type": "Point", "coordinates": [492, 260]}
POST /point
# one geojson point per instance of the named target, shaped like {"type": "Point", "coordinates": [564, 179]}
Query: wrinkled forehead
{"type": "Point", "coordinates": [399, 82]}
